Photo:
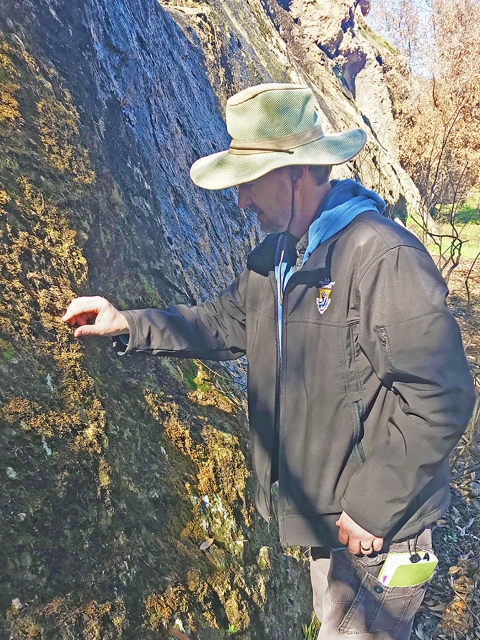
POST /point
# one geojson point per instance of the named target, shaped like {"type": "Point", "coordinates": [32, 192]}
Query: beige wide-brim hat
{"type": "Point", "coordinates": [273, 126]}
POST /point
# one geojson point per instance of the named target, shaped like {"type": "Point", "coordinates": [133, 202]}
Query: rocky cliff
{"type": "Point", "coordinates": [115, 471]}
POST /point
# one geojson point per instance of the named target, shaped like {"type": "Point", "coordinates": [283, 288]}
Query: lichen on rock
{"type": "Point", "coordinates": [116, 470]}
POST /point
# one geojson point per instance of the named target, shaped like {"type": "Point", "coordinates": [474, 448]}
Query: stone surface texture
{"type": "Point", "coordinates": [359, 58]}
{"type": "Point", "coordinates": [115, 471]}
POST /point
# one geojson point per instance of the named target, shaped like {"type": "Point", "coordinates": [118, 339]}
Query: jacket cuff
{"type": "Point", "coordinates": [360, 519]}
{"type": "Point", "coordinates": [124, 343]}
{"type": "Point", "coordinates": [120, 344]}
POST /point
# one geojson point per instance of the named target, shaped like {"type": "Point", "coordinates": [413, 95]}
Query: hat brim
{"type": "Point", "coordinates": [222, 170]}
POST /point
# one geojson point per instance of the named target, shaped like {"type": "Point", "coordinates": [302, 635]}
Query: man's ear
{"type": "Point", "coordinates": [299, 172]}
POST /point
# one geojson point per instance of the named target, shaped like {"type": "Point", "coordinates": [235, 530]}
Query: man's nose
{"type": "Point", "coordinates": [243, 197]}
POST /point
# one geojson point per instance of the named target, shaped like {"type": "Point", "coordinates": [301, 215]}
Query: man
{"type": "Point", "coordinates": [358, 386]}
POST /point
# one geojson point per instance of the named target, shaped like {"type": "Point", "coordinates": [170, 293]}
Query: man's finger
{"type": "Point", "coordinates": [81, 319]}
{"type": "Point", "coordinates": [378, 544]}
{"type": "Point", "coordinates": [343, 536]}
{"type": "Point", "coordinates": [87, 318]}
{"type": "Point", "coordinates": [354, 546]}
{"type": "Point", "coordinates": [88, 330]}
{"type": "Point", "coordinates": [82, 305]}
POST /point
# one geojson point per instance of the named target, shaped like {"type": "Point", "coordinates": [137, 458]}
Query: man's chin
{"type": "Point", "coordinates": [264, 226]}
{"type": "Point", "coordinates": [273, 229]}
{"type": "Point", "coordinates": [270, 226]}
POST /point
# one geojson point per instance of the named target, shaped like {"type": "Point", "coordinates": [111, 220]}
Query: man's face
{"type": "Point", "coordinates": [270, 197]}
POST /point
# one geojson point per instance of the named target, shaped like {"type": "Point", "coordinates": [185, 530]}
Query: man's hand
{"type": "Point", "coordinates": [107, 321]}
{"type": "Point", "coordinates": [357, 539]}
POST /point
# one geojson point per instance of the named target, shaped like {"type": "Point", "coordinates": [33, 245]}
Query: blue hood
{"type": "Point", "coordinates": [346, 201]}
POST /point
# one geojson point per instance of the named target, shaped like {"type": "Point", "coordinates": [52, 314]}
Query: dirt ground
{"type": "Point", "coordinates": [451, 609]}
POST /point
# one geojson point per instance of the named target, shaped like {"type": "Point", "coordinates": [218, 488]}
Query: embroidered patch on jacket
{"type": "Point", "coordinates": [324, 292]}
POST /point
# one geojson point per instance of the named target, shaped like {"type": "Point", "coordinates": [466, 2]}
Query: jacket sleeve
{"type": "Point", "coordinates": [213, 330]}
{"type": "Point", "coordinates": [414, 345]}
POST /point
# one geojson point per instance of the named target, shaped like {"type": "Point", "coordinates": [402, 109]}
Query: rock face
{"type": "Point", "coordinates": [115, 472]}
{"type": "Point", "coordinates": [337, 28]}
{"type": "Point", "coordinates": [351, 68]}
{"type": "Point", "coordinates": [325, 22]}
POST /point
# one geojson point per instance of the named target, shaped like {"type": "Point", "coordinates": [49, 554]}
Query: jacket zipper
{"type": "Point", "coordinates": [382, 332]}
{"type": "Point", "coordinates": [280, 384]}
{"type": "Point", "coordinates": [276, 422]}
{"type": "Point", "coordinates": [358, 448]}
{"type": "Point", "coordinates": [383, 336]}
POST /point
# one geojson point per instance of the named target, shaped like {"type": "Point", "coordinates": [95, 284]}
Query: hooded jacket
{"type": "Point", "coordinates": [372, 390]}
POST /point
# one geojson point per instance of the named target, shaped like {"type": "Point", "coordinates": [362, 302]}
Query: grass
{"type": "Point", "coordinates": [469, 233]}
{"type": "Point", "coordinates": [311, 632]}
{"type": "Point", "coordinates": [467, 224]}
{"type": "Point", "coordinates": [470, 212]}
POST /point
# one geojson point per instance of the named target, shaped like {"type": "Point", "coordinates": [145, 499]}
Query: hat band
{"type": "Point", "coordinates": [285, 144]}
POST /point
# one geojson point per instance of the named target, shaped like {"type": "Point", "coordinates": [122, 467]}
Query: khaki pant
{"type": "Point", "coordinates": [351, 603]}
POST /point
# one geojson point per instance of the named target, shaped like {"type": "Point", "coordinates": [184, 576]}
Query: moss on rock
{"type": "Point", "coordinates": [114, 470]}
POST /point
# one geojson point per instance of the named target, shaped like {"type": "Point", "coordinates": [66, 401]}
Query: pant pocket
{"type": "Point", "coordinates": [368, 606]}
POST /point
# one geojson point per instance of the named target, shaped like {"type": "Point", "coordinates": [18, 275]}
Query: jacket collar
{"type": "Point", "coordinates": [262, 258]}
{"type": "Point", "coordinates": [346, 200]}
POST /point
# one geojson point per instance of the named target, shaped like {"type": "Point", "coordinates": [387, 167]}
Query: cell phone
{"type": "Point", "coordinates": [406, 569]}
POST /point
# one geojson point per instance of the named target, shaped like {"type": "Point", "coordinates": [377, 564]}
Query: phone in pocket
{"type": "Point", "coordinates": [406, 569]}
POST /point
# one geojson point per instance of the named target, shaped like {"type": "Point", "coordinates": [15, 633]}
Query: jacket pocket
{"type": "Point", "coordinates": [384, 339]}
{"type": "Point", "coordinates": [367, 605]}
{"type": "Point", "coordinates": [358, 448]}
